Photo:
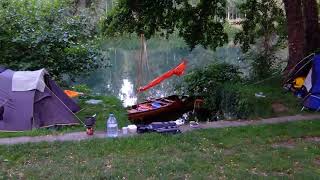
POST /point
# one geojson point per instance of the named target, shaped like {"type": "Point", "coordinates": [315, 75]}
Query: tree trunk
{"type": "Point", "coordinates": [312, 30]}
{"type": "Point", "coordinates": [80, 4]}
{"type": "Point", "coordinates": [296, 38]}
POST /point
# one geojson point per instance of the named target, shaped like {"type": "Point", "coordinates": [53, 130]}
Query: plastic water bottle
{"type": "Point", "coordinates": [112, 126]}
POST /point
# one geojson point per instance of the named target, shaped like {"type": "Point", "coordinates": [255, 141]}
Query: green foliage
{"type": "Point", "coordinates": [208, 82]}
{"type": "Point", "coordinates": [262, 65]}
{"type": "Point", "coordinates": [226, 93]}
{"type": "Point", "coordinates": [264, 27]}
{"type": "Point", "coordinates": [239, 101]}
{"type": "Point", "coordinates": [43, 34]}
{"type": "Point", "coordinates": [198, 22]}
{"type": "Point", "coordinates": [83, 89]}
{"type": "Point", "coordinates": [263, 19]}
{"type": "Point", "coordinates": [231, 31]}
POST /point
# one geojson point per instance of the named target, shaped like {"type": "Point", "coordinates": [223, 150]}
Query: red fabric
{"type": "Point", "coordinates": [178, 71]}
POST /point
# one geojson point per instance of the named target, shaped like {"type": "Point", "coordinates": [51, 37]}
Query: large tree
{"type": "Point", "coordinates": [303, 29]}
{"type": "Point", "coordinates": [303, 32]}
{"type": "Point", "coordinates": [312, 30]}
{"type": "Point", "coordinates": [295, 27]}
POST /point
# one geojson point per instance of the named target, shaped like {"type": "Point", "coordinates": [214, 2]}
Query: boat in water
{"type": "Point", "coordinates": [161, 109]}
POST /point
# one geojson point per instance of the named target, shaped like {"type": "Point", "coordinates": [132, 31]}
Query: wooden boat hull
{"type": "Point", "coordinates": [171, 111]}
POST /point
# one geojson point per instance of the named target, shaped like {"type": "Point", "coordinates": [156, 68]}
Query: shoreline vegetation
{"type": "Point", "coordinates": [277, 103]}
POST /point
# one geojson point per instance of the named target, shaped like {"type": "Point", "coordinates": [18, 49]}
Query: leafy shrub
{"type": "Point", "coordinates": [208, 83]}
{"type": "Point", "coordinates": [40, 34]}
{"type": "Point", "coordinates": [262, 64]}
{"type": "Point", "coordinates": [83, 89]}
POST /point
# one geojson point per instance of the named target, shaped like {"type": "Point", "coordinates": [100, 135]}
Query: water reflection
{"type": "Point", "coordinates": [127, 93]}
{"type": "Point", "coordinates": [121, 78]}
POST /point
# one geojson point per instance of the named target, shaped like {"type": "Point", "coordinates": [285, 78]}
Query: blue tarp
{"type": "Point", "coordinates": [312, 101]}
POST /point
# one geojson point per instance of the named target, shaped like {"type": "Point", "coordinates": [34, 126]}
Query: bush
{"type": "Point", "coordinates": [208, 83]}
{"type": "Point", "coordinates": [83, 89]}
{"type": "Point", "coordinates": [43, 34]}
{"type": "Point", "coordinates": [263, 65]}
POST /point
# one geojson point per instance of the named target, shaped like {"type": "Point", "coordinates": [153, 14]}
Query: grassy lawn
{"type": "Point", "coordinates": [283, 151]}
{"type": "Point", "coordinates": [109, 104]}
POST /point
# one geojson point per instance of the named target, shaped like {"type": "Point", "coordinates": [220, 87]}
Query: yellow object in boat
{"type": "Point", "coordinates": [298, 82]}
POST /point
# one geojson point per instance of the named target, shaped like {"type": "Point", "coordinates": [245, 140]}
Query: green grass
{"type": "Point", "coordinates": [239, 98]}
{"type": "Point", "coordinates": [110, 105]}
{"type": "Point", "coordinates": [231, 153]}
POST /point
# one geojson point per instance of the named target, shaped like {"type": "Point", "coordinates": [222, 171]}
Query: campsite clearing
{"type": "Point", "coordinates": [109, 104]}
{"type": "Point", "coordinates": [240, 152]}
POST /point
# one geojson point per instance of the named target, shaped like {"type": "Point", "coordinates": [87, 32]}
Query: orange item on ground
{"type": "Point", "coordinates": [71, 94]}
{"type": "Point", "coordinates": [178, 71]}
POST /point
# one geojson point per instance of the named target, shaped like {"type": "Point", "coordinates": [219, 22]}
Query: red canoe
{"type": "Point", "coordinates": [161, 109]}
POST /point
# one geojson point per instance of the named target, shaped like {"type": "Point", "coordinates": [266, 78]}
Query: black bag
{"type": "Point", "coordinates": [159, 127]}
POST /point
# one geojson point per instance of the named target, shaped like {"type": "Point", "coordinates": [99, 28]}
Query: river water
{"type": "Point", "coordinates": [121, 78]}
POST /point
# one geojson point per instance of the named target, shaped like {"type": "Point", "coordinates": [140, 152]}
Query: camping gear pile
{"type": "Point", "coordinates": [31, 99]}
{"type": "Point", "coordinates": [304, 82]}
{"type": "Point", "coordinates": [160, 127]}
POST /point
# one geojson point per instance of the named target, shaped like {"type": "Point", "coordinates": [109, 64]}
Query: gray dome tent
{"type": "Point", "coordinates": [26, 110]}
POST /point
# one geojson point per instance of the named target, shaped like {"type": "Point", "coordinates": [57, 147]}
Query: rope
{"type": "Point", "coordinates": [263, 80]}
{"type": "Point", "coordinates": [276, 73]}
{"type": "Point", "coordinates": [291, 70]}
{"type": "Point", "coordinates": [139, 68]}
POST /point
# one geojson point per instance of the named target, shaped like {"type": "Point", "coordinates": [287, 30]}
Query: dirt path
{"type": "Point", "coordinates": [78, 136]}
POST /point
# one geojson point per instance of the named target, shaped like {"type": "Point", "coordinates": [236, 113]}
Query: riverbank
{"type": "Point", "coordinates": [263, 108]}
{"type": "Point", "coordinates": [289, 150]}
{"type": "Point", "coordinates": [274, 103]}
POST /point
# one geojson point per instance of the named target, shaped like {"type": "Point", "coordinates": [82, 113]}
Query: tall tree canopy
{"type": "Point", "coordinates": [264, 20]}
{"type": "Point", "coordinates": [202, 23]}
{"type": "Point", "coordinates": [198, 23]}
